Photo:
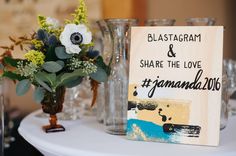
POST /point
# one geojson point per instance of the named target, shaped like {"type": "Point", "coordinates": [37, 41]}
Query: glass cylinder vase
{"type": "Point", "coordinates": [224, 101]}
{"type": "Point", "coordinates": [70, 110]}
{"type": "Point", "coordinates": [160, 22]}
{"type": "Point", "coordinates": [116, 110]}
{"type": "Point", "coordinates": [106, 52]}
{"type": "Point", "coordinates": [230, 68]}
{"type": "Point", "coordinates": [200, 21]}
{"type": "Point", "coordinates": [224, 98]}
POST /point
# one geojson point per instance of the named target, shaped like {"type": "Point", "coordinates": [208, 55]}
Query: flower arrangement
{"type": "Point", "coordinates": [56, 57]}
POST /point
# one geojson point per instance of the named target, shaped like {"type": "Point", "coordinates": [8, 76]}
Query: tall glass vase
{"type": "Point", "coordinates": [225, 94]}
{"type": "Point", "coordinates": [116, 110]}
{"type": "Point", "coordinates": [230, 68]}
{"type": "Point", "coordinates": [224, 101]}
{"type": "Point", "coordinates": [106, 52]}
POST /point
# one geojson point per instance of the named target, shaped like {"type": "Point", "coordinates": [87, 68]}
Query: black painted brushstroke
{"type": "Point", "coordinates": [149, 106]}
{"type": "Point", "coordinates": [182, 130]}
{"type": "Point", "coordinates": [131, 105]}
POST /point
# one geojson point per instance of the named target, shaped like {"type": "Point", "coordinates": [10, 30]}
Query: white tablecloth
{"type": "Point", "coordinates": [86, 137]}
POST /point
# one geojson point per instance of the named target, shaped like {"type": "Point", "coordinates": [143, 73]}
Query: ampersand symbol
{"type": "Point", "coordinates": [170, 52]}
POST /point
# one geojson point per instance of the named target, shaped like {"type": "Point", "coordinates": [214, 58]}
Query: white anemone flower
{"type": "Point", "coordinates": [73, 36]}
{"type": "Point", "coordinates": [54, 23]}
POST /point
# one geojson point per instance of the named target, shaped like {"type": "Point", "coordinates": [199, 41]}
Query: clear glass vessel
{"type": "Point", "coordinates": [116, 110]}
{"type": "Point", "coordinates": [230, 67]}
{"type": "Point", "coordinates": [70, 109]}
{"type": "Point", "coordinates": [106, 52]}
{"type": "Point", "coordinates": [224, 101]}
{"type": "Point", "coordinates": [160, 22]}
{"type": "Point", "coordinates": [200, 21]}
{"type": "Point", "coordinates": [225, 95]}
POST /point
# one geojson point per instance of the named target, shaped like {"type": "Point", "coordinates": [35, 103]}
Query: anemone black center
{"type": "Point", "coordinates": [76, 38]}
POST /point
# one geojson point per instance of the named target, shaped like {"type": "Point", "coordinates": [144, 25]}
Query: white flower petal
{"type": "Point", "coordinates": [87, 37]}
{"type": "Point", "coordinates": [82, 28]}
{"type": "Point", "coordinates": [74, 49]}
{"type": "Point", "coordinates": [71, 28]}
{"type": "Point", "coordinates": [63, 38]}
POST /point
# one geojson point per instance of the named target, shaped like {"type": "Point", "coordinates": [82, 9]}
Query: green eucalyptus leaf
{"type": "Point", "coordinates": [100, 62]}
{"type": "Point", "coordinates": [66, 77]}
{"type": "Point", "coordinates": [22, 87]}
{"type": "Point", "coordinates": [50, 78]}
{"type": "Point", "coordinates": [100, 75]}
{"type": "Point", "coordinates": [73, 82]}
{"type": "Point", "coordinates": [39, 94]}
{"type": "Point", "coordinates": [61, 53]}
{"type": "Point", "coordinates": [43, 84]}
{"type": "Point", "coordinates": [52, 66]}
{"type": "Point", "coordinates": [61, 63]}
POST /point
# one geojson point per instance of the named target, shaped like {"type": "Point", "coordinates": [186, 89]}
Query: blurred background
{"type": "Point", "coordinates": [19, 17]}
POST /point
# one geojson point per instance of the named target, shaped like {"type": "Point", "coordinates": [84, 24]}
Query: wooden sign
{"type": "Point", "coordinates": [175, 84]}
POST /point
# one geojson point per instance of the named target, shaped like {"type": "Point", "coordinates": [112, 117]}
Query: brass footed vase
{"type": "Point", "coordinates": [53, 104]}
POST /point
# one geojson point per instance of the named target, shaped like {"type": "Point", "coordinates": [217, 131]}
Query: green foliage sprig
{"type": "Point", "coordinates": [48, 27]}
{"type": "Point", "coordinates": [80, 14]}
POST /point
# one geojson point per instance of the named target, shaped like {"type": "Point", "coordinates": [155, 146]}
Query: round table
{"type": "Point", "coordinates": [86, 137]}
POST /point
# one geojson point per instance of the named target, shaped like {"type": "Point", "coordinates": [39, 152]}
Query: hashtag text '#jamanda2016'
{"type": "Point", "coordinates": [212, 84]}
